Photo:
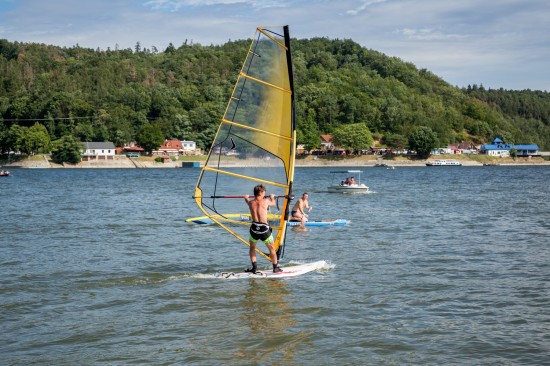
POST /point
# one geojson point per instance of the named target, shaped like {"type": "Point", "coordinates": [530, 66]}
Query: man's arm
{"type": "Point", "coordinates": [272, 200]}
{"type": "Point", "coordinates": [247, 199]}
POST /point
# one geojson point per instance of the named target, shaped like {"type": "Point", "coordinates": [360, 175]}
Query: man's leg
{"type": "Point", "coordinates": [273, 256]}
{"type": "Point", "coordinates": [252, 254]}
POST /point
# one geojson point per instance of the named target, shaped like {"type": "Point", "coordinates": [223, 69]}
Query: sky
{"type": "Point", "coordinates": [494, 43]}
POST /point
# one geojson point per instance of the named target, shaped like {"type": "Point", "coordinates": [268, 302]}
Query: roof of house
{"type": "Point", "coordinates": [99, 145]}
{"type": "Point", "coordinates": [465, 145]}
{"type": "Point", "coordinates": [171, 144]}
{"type": "Point", "coordinates": [509, 147]}
{"type": "Point", "coordinates": [326, 138]}
{"type": "Point", "coordinates": [133, 148]}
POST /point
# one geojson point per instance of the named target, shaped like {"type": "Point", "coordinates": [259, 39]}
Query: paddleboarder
{"type": "Point", "coordinates": [298, 213]}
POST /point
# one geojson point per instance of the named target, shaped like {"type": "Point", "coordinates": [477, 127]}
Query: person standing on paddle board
{"type": "Point", "coordinates": [298, 213]}
{"type": "Point", "coordinates": [260, 230]}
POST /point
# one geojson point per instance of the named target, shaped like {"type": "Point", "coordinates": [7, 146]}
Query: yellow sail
{"type": "Point", "coordinates": [256, 140]}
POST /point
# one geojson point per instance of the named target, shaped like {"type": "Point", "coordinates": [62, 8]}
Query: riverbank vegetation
{"type": "Point", "coordinates": [49, 92]}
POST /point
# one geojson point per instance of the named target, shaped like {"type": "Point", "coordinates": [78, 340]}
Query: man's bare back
{"type": "Point", "coordinates": [259, 205]}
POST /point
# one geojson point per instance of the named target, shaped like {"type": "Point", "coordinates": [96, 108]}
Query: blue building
{"type": "Point", "coordinates": [501, 149]}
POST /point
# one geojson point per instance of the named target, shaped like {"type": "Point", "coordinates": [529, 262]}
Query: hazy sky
{"type": "Point", "coordinates": [497, 43]}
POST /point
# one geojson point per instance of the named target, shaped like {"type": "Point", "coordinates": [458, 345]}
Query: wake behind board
{"type": "Point", "coordinates": [291, 271]}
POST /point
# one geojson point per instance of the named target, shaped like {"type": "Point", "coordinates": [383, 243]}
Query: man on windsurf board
{"type": "Point", "coordinates": [260, 230]}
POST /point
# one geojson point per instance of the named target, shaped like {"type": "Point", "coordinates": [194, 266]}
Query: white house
{"type": "Point", "coordinates": [188, 148]}
{"type": "Point", "coordinates": [98, 151]}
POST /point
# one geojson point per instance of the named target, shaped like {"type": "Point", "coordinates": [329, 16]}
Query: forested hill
{"type": "Point", "coordinates": [98, 95]}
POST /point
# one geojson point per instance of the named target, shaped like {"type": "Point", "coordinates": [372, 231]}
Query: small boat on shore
{"type": "Point", "coordinates": [349, 185]}
{"type": "Point", "coordinates": [443, 162]}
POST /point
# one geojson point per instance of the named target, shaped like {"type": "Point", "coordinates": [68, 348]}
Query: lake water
{"type": "Point", "coordinates": [446, 265]}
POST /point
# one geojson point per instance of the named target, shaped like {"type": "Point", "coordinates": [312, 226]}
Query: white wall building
{"type": "Point", "coordinates": [98, 151]}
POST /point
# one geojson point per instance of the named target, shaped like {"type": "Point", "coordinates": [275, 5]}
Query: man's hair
{"type": "Point", "coordinates": [258, 189]}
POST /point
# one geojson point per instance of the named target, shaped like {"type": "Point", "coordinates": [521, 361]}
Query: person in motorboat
{"type": "Point", "coordinates": [298, 211]}
{"type": "Point", "coordinates": [260, 230]}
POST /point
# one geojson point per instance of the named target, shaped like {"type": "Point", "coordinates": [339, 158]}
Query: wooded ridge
{"type": "Point", "coordinates": [110, 95]}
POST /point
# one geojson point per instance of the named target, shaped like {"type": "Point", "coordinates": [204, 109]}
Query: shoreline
{"type": "Point", "coordinates": [367, 161]}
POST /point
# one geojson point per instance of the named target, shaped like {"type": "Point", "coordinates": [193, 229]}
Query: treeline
{"type": "Point", "coordinates": [112, 95]}
{"type": "Point", "coordinates": [529, 110]}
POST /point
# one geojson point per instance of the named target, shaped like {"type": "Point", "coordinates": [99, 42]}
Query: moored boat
{"type": "Point", "coordinates": [443, 162]}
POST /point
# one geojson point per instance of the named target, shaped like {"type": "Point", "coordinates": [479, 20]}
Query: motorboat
{"type": "Point", "coordinates": [348, 185]}
{"type": "Point", "coordinates": [442, 162]}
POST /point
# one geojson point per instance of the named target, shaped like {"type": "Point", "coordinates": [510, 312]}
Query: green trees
{"type": "Point", "coordinates": [150, 137]}
{"type": "Point", "coordinates": [15, 138]}
{"type": "Point", "coordinates": [396, 141]}
{"type": "Point", "coordinates": [307, 132]}
{"type": "Point", "coordinates": [423, 140]}
{"type": "Point", "coordinates": [353, 137]}
{"type": "Point", "coordinates": [111, 95]}
{"type": "Point", "coordinates": [37, 139]}
{"type": "Point", "coordinates": [28, 140]}
{"type": "Point", "coordinates": [67, 149]}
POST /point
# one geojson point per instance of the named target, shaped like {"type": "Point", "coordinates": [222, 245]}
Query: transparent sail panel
{"type": "Point", "coordinates": [255, 141]}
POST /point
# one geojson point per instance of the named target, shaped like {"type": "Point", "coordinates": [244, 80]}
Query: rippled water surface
{"type": "Point", "coordinates": [446, 265]}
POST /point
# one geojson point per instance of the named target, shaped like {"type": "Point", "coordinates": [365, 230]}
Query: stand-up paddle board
{"type": "Point", "coordinates": [205, 220]}
{"type": "Point", "coordinates": [291, 271]}
{"type": "Point", "coordinates": [337, 222]}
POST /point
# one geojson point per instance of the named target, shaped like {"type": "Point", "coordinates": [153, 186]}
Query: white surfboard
{"type": "Point", "coordinates": [289, 271]}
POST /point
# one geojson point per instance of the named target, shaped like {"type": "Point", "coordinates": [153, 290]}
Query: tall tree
{"type": "Point", "coordinates": [67, 150]}
{"type": "Point", "coordinates": [150, 137]}
{"type": "Point", "coordinates": [353, 137]}
{"type": "Point", "coordinates": [37, 139]}
{"type": "Point", "coordinates": [423, 140]}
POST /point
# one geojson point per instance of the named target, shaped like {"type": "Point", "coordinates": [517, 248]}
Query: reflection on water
{"type": "Point", "coordinates": [267, 310]}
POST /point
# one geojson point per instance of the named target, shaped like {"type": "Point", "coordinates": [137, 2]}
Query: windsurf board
{"type": "Point", "coordinates": [290, 271]}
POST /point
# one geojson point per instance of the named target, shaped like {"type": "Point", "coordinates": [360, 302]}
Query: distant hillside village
{"type": "Point", "coordinates": [107, 150]}
{"type": "Point", "coordinates": [175, 148]}
{"type": "Point", "coordinates": [497, 148]}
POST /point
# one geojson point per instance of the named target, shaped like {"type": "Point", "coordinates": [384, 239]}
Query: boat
{"type": "Point", "coordinates": [258, 126]}
{"type": "Point", "coordinates": [4, 173]}
{"type": "Point", "coordinates": [443, 162]}
{"type": "Point", "coordinates": [272, 218]}
{"type": "Point", "coordinates": [349, 184]}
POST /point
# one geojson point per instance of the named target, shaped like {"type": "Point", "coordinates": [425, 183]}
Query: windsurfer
{"type": "Point", "coordinates": [298, 213]}
{"type": "Point", "coordinates": [260, 230]}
